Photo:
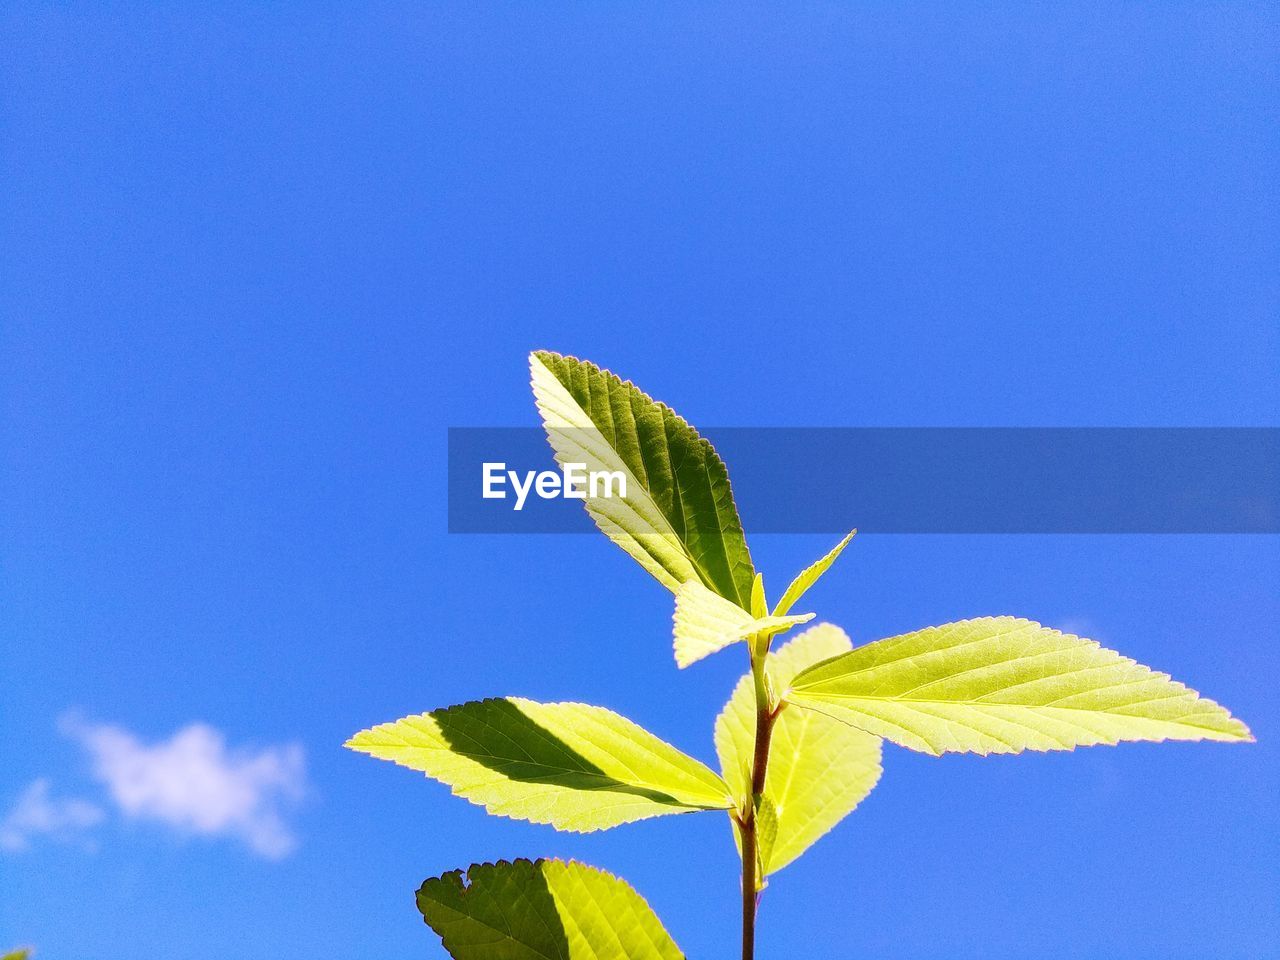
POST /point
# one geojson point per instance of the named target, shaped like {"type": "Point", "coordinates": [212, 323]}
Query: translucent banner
{"type": "Point", "coordinates": [912, 480]}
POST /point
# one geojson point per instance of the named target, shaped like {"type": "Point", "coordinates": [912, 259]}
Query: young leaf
{"type": "Point", "coordinates": [809, 576]}
{"type": "Point", "coordinates": [706, 622]}
{"type": "Point", "coordinates": [759, 605]}
{"type": "Point", "coordinates": [1003, 685]}
{"type": "Point", "coordinates": [542, 909]}
{"type": "Point", "coordinates": [678, 519]}
{"type": "Point", "coordinates": [766, 837]}
{"type": "Point", "coordinates": [576, 767]}
{"type": "Point", "coordinates": [819, 768]}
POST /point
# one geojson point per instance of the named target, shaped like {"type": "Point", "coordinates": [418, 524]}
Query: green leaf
{"type": "Point", "coordinates": [542, 910]}
{"type": "Point", "coordinates": [576, 767]}
{"type": "Point", "coordinates": [809, 576]}
{"type": "Point", "coordinates": [1003, 685]}
{"type": "Point", "coordinates": [678, 519]}
{"type": "Point", "coordinates": [766, 838]}
{"type": "Point", "coordinates": [819, 768]}
{"type": "Point", "coordinates": [706, 622]}
{"type": "Point", "coordinates": [20, 954]}
{"type": "Point", "coordinates": [759, 605]}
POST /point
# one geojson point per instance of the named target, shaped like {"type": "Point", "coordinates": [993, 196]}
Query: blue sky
{"type": "Point", "coordinates": [256, 261]}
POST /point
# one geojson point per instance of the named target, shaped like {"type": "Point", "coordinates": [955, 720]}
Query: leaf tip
{"type": "Point", "coordinates": [1243, 734]}
{"type": "Point", "coordinates": [356, 741]}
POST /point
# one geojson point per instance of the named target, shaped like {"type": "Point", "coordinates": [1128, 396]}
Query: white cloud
{"type": "Point", "coordinates": [37, 814]}
{"type": "Point", "coordinates": [194, 783]}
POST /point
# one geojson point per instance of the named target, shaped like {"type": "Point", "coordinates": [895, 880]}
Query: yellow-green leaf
{"type": "Point", "coordinates": [576, 767]}
{"type": "Point", "coordinates": [809, 576]}
{"type": "Point", "coordinates": [706, 622]}
{"type": "Point", "coordinates": [542, 910]}
{"type": "Point", "coordinates": [766, 837]}
{"type": "Point", "coordinates": [1003, 685]}
{"type": "Point", "coordinates": [819, 768]}
{"type": "Point", "coordinates": [678, 519]}
{"type": "Point", "coordinates": [759, 605]}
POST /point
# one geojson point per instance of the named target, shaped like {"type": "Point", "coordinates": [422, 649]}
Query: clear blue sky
{"type": "Point", "coordinates": [254, 262]}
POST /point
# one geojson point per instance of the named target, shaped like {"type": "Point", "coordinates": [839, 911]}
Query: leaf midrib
{"type": "Point", "coordinates": [1025, 706]}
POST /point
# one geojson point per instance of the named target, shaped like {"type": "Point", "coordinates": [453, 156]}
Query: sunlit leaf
{"type": "Point", "coordinates": [819, 768]}
{"type": "Point", "coordinates": [576, 767]}
{"type": "Point", "coordinates": [759, 605]}
{"type": "Point", "coordinates": [706, 622]}
{"type": "Point", "coordinates": [678, 519]}
{"type": "Point", "coordinates": [766, 837]}
{"type": "Point", "coordinates": [542, 910]}
{"type": "Point", "coordinates": [810, 575]}
{"type": "Point", "coordinates": [1003, 685]}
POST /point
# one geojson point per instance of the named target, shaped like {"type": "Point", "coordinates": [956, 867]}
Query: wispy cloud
{"type": "Point", "coordinates": [196, 784]}
{"type": "Point", "coordinates": [193, 783]}
{"type": "Point", "coordinates": [37, 814]}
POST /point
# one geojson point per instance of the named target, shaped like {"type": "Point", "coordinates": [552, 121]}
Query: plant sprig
{"type": "Point", "coordinates": [799, 741]}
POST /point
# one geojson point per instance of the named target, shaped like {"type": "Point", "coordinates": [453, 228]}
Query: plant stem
{"type": "Point", "coordinates": [747, 821]}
